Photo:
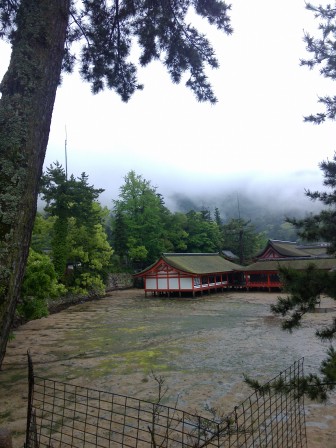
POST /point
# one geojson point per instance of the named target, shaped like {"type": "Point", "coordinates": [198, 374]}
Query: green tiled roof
{"type": "Point", "coordinates": [292, 249]}
{"type": "Point", "coordinates": [196, 263]}
{"type": "Point", "coordinates": [200, 263]}
{"type": "Point", "coordinates": [286, 248]}
{"type": "Point", "coordinates": [314, 251]}
{"type": "Point", "coordinates": [273, 265]}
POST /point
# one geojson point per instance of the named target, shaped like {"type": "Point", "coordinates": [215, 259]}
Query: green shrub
{"type": "Point", "coordinates": [39, 284]}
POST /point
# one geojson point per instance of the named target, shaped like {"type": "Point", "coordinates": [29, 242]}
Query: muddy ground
{"type": "Point", "coordinates": [202, 347]}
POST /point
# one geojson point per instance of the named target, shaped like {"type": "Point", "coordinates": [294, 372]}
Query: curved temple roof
{"type": "Point", "coordinates": [289, 249]}
{"type": "Point", "coordinates": [196, 263]}
{"type": "Point", "coordinates": [299, 264]}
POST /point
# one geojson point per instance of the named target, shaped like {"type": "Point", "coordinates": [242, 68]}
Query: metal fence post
{"type": "Point", "coordinates": [30, 398]}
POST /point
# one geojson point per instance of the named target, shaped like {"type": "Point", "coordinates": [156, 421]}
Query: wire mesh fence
{"type": "Point", "coordinates": [65, 415]}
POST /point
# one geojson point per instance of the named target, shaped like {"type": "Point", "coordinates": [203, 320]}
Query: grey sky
{"type": "Point", "coordinates": [253, 138]}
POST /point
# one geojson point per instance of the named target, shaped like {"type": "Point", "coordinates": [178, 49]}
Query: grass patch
{"type": "Point", "coordinates": [129, 362]}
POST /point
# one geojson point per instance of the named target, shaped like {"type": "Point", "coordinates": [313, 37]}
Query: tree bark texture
{"type": "Point", "coordinates": [28, 94]}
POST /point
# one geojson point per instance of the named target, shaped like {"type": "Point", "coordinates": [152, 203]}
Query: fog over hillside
{"type": "Point", "coordinates": [247, 194]}
{"type": "Point", "coordinates": [265, 200]}
{"type": "Point", "coordinates": [274, 190]}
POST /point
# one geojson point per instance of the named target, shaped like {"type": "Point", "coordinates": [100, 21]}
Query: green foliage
{"type": "Point", "coordinates": [327, 333]}
{"type": "Point", "coordinates": [59, 244]}
{"type": "Point", "coordinates": [42, 233]}
{"type": "Point", "coordinates": [90, 255]}
{"type": "Point", "coordinates": [33, 308]}
{"type": "Point", "coordinates": [138, 253]}
{"type": "Point", "coordinates": [323, 50]}
{"type": "Point", "coordinates": [160, 29]}
{"type": "Point", "coordinates": [119, 233]}
{"type": "Point", "coordinates": [71, 197]}
{"type": "Point", "coordinates": [142, 224]}
{"type": "Point", "coordinates": [305, 289]}
{"type": "Point", "coordinates": [313, 386]}
{"type": "Point", "coordinates": [321, 226]}
{"type": "Point", "coordinates": [176, 236]}
{"type": "Point", "coordinates": [240, 237]}
{"type": "Point", "coordinates": [265, 217]}
{"type": "Point", "coordinates": [105, 33]}
{"type": "Point", "coordinates": [74, 202]}
{"type": "Point", "coordinates": [88, 285]}
{"type": "Point", "coordinates": [218, 218]}
{"type": "Point", "coordinates": [139, 220]}
{"type": "Point", "coordinates": [39, 285]}
{"type": "Point", "coordinates": [203, 233]}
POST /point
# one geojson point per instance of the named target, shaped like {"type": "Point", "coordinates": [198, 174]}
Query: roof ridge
{"type": "Point", "coordinates": [188, 253]}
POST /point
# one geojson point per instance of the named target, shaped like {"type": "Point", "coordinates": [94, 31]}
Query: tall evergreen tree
{"type": "Point", "coordinates": [240, 237]}
{"type": "Point", "coordinates": [321, 226]}
{"type": "Point", "coordinates": [140, 209]}
{"type": "Point", "coordinates": [304, 288]}
{"type": "Point", "coordinates": [65, 199]}
{"type": "Point", "coordinates": [41, 33]}
{"type": "Point", "coordinates": [218, 218]}
{"type": "Point", "coordinates": [119, 234]}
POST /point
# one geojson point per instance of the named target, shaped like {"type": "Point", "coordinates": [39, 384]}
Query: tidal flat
{"type": "Point", "coordinates": [201, 347]}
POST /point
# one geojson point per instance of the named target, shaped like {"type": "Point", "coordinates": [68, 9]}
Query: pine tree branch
{"type": "Point", "coordinates": [327, 333]}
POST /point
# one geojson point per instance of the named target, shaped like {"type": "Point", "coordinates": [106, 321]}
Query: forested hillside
{"type": "Point", "coordinates": [138, 226]}
{"type": "Point", "coordinates": [268, 215]}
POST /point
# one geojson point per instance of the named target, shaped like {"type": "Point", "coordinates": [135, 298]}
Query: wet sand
{"type": "Point", "coordinates": [201, 347]}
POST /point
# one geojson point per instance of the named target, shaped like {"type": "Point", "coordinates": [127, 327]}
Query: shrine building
{"type": "Point", "coordinates": [177, 273]}
{"type": "Point", "coordinates": [264, 272]}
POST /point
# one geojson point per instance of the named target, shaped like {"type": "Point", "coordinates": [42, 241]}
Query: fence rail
{"type": "Point", "coordinates": [65, 415]}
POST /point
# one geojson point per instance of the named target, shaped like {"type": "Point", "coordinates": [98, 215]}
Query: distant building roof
{"type": "Point", "coordinates": [230, 255]}
{"type": "Point", "coordinates": [289, 249]}
{"type": "Point", "coordinates": [298, 264]}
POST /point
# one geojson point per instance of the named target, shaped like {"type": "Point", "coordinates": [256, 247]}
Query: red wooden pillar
{"type": "Point", "coordinates": [247, 281]}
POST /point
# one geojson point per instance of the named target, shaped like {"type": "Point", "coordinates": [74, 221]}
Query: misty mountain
{"type": "Point", "coordinates": [266, 212]}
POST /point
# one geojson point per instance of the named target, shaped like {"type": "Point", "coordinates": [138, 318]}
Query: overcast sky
{"type": "Point", "coordinates": [253, 138]}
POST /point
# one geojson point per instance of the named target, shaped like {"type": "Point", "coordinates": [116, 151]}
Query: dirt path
{"type": "Point", "coordinates": [200, 346]}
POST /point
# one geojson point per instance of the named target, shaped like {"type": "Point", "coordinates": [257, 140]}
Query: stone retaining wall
{"type": "Point", "coordinates": [119, 280]}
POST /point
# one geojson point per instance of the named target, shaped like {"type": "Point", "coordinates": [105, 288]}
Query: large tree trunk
{"type": "Point", "coordinates": [28, 94]}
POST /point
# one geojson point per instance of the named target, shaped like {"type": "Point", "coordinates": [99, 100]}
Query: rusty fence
{"type": "Point", "coordinates": [65, 415]}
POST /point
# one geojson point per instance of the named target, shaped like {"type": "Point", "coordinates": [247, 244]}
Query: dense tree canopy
{"type": "Point", "coordinates": [78, 236]}
{"type": "Point", "coordinates": [41, 33]}
{"type": "Point", "coordinates": [67, 198]}
{"type": "Point", "coordinates": [143, 227]}
{"type": "Point", "coordinates": [139, 223]}
{"type": "Point", "coordinates": [203, 233]}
